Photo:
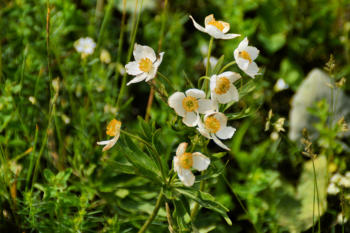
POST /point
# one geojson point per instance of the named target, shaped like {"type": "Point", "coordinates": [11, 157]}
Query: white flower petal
{"type": "Point", "coordinates": [208, 19]}
{"type": "Point", "coordinates": [181, 148]}
{"type": "Point", "coordinates": [230, 95]}
{"type": "Point", "coordinates": [102, 143]}
{"type": "Point", "coordinates": [190, 119]}
{"type": "Point", "coordinates": [253, 52]}
{"type": "Point", "coordinates": [196, 93]}
{"type": "Point", "coordinates": [219, 143]}
{"type": "Point", "coordinates": [138, 78]}
{"type": "Point", "coordinates": [110, 143]}
{"type": "Point", "coordinates": [176, 164]}
{"type": "Point", "coordinates": [186, 176]}
{"type": "Point", "coordinates": [133, 68]}
{"type": "Point", "coordinates": [200, 161]}
{"type": "Point", "coordinates": [226, 26]}
{"type": "Point", "coordinates": [196, 25]}
{"type": "Point", "coordinates": [242, 63]}
{"type": "Point", "coordinates": [228, 36]}
{"type": "Point", "coordinates": [232, 76]}
{"type": "Point", "coordinates": [151, 74]}
{"type": "Point", "coordinates": [175, 102]}
{"type": "Point", "coordinates": [201, 129]}
{"type": "Point", "coordinates": [143, 51]}
{"type": "Point", "coordinates": [221, 118]}
{"type": "Point", "coordinates": [214, 31]}
{"type": "Point", "coordinates": [243, 44]}
{"type": "Point", "coordinates": [252, 70]}
{"type": "Point", "coordinates": [213, 80]}
{"type": "Point", "coordinates": [159, 60]}
{"type": "Point", "coordinates": [205, 106]}
{"type": "Point", "coordinates": [226, 132]}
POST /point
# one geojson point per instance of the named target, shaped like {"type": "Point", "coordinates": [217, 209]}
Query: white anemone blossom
{"type": "Point", "coordinates": [190, 104]}
{"type": "Point", "coordinates": [214, 127]}
{"type": "Point", "coordinates": [113, 129]}
{"type": "Point", "coordinates": [85, 46]}
{"type": "Point", "coordinates": [145, 65]}
{"type": "Point", "coordinates": [184, 161]}
{"type": "Point", "coordinates": [216, 29]}
{"type": "Point", "coordinates": [245, 56]}
{"type": "Point", "coordinates": [222, 89]}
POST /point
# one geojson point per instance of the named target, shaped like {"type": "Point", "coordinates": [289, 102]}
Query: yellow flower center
{"type": "Point", "coordinates": [212, 124]}
{"type": "Point", "coordinates": [190, 103]}
{"type": "Point", "coordinates": [113, 127]}
{"type": "Point", "coordinates": [245, 55]}
{"type": "Point", "coordinates": [186, 160]}
{"type": "Point", "coordinates": [217, 24]}
{"type": "Point", "coordinates": [145, 64]}
{"type": "Point", "coordinates": [222, 86]}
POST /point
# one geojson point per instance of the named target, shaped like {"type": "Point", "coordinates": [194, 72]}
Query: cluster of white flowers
{"type": "Point", "coordinates": [337, 181]}
{"type": "Point", "coordinates": [193, 102]}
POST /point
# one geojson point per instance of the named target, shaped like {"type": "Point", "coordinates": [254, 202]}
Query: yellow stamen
{"type": "Point", "coordinates": [245, 55]}
{"type": "Point", "coordinates": [113, 127]}
{"type": "Point", "coordinates": [186, 160]}
{"type": "Point", "coordinates": [190, 103]}
{"type": "Point", "coordinates": [217, 24]}
{"type": "Point", "coordinates": [145, 64]}
{"type": "Point", "coordinates": [212, 124]}
{"type": "Point", "coordinates": [222, 86]}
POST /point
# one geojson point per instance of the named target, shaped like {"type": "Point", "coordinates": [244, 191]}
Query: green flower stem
{"type": "Point", "coordinates": [208, 64]}
{"type": "Point", "coordinates": [154, 213]}
{"type": "Point", "coordinates": [227, 66]}
{"type": "Point", "coordinates": [195, 209]}
{"type": "Point", "coordinates": [106, 18]}
{"type": "Point", "coordinates": [166, 79]}
{"type": "Point", "coordinates": [133, 37]}
{"type": "Point", "coordinates": [317, 195]}
{"type": "Point", "coordinates": [157, 155]}
{"type": "Point", "coordinates": [120, 43]}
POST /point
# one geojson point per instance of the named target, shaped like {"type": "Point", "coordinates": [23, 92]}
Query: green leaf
{"type": "Point", "coordinates": [206, 200]}
{"type": "Point", "coordinates": [218, 65]}
{"type": "Point", "coordinates": [144, 165]}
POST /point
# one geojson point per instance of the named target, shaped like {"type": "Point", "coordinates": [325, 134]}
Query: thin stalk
{"type": "Point", "coordinates": [120, 42]}
{"type": "Point", "coordinates": [342, 210]}
{"type": "Point", "coordinates": [133, 37]}
{"type": "Point", "coordinates": [170, 220]}
{"type": "Point", "coordinates": [318, 198]}
{"type": "Point", "coordinates": [31, 164]}
{"type": "Point", "coordinates": [195, 209]}
{"type": "Point", "coordinates": [313, 209]}
{"type": "Point", "coordinates": [227, 66]}
{"type": "Point", "coordinates": [239, 201]}
{"type": "Point", "coordinates": [206, 84]}
{"type": "Point", "coordinates": [166, 79]}
{"type": "Point", "coordinates": [90, 96]}
{"type": "Point", "coordinates": [151, 93]}
{"type": "Point", "coordinates": [154, 213]}
{"type": "Point", "coordinates": [105, 19]}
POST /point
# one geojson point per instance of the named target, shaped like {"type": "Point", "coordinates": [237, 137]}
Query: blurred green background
{"type": "Point", "coordinates": [80, 189]}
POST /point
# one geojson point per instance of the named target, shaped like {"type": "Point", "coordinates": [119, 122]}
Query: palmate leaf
{"type": "Point", "coordinates": [143, 164]}
{"type": "Point", "coordinates": [206, 200]}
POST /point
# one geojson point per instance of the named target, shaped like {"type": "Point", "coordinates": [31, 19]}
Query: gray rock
{"type": "Point", "coordinates": [313, 89]}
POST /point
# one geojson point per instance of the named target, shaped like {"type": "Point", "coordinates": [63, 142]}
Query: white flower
{"type": "Point", "coordinates": [280, 85]}
{"type": "Point", "coordinates": [105, 56]}
{"type": "Point", "coordinates": [341, 219]}
{"type": "Point", "coordinates": [145, 65]}
{"type": "Point", "coordinates": [216, 29]}
{"type": "Point", "coordinates": [113, 129]}
{"type": "Point", "coordinates": [184, 161]}
{"type": "Point", "coordinates": [188, 106]}
{"type": "Point", "coordinates": [245, 56]}
{"type": "Point", "coordinates": [214, 127]}
{"type": "Point", "coordinates": [222, 88]}
{"type": "Point", "coordinates": [85, 46]}
{"type": "Point", "coordinates": [344, 181]}
{"type": "Point", "coordinates": [336, 178]}
{"type": "Point", "coordinates": [332, 189]}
